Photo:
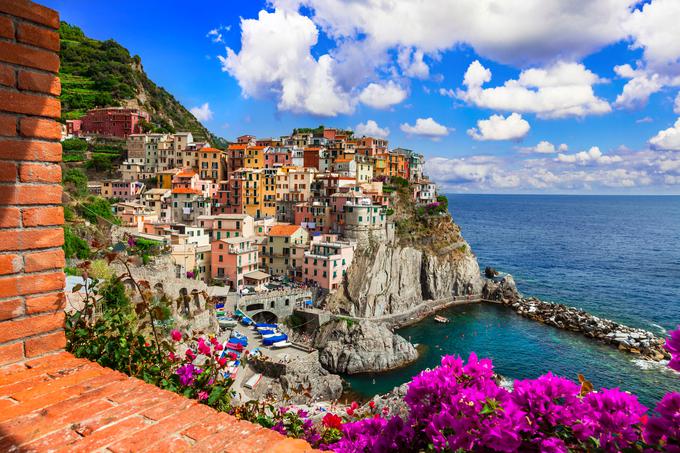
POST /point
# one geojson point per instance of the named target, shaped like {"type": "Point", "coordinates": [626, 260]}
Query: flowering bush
{"type": "Point", "coordinates": [673, 346]}
{"type": "Point", "coordinates": [459, 407]}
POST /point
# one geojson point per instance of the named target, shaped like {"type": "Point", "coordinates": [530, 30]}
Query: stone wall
{"type": "Point", "coordinates": [31, 258]}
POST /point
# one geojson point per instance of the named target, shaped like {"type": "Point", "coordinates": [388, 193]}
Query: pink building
{"type": "Point", "coordinates": [315, 217]}
{"type": "Point", "coordinates": [327, 261]}
{"type": "Point", "coordinates": [113, 121]}
{"type": "Point", "coordinates": [277, 157]}
{"type": "Point", "coordinates": [233, 259]}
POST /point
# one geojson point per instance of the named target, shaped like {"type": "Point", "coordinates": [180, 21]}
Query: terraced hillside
{"type": "Point", "coordinates": [103, 73]}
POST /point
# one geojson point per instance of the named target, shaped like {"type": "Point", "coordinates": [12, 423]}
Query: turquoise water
{"type": "Point", "coordinates": [617, 257]}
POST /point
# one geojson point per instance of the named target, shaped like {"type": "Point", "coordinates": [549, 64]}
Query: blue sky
{"type": "Point", "coordinates": [475, 86]}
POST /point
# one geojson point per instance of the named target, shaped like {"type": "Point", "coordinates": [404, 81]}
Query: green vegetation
{"type": "Point", "coordinates": [75, 180]}
{"type": "Point", "coordinates": [103, 74]}
{"type": "Point", "coordinates": [100, 162]}
{"type": "Point", "coordinates": [74, 145]}
{"type": "Point", "coordinates": [75, 246]}
{"type": "Point", "coordinates": [94, 209]}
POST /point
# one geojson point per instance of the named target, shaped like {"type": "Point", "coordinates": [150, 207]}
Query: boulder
{"type": "Point", "coordinates": [361, 347]}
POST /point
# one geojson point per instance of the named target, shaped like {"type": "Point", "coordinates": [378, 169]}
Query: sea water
{"type": "Point", "coordinates": [617, 257]}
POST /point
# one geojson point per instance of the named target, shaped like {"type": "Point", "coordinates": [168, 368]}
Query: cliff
{"type": "Point", "coordinates": [427, 260]}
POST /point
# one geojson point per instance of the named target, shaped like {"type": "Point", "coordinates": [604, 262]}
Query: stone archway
{"type": "Point", "coordinates": [265, 316]}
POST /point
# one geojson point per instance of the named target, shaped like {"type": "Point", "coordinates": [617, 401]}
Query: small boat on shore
{"type": "Point", "coordinates": [441, 319]}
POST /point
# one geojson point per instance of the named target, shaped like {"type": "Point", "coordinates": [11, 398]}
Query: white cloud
{"type": "Point", "coordinates": [498, 127]}
{"type": "Point", "coordinates": [593, 155]}
{"type": "Point", "coordinates": [215, 34]}
{"type": "Point", "coordinates": [561, 90]}
{"type": "Point", "coordinates": [545, 147]}
{"type": "Point", "coordinates": [654, 28]}
{"type": "Point", "coordinates": [276, 60]}
{"type": "Point", "coordinates": [517, 32]}
{"type": "Point", "coordinates": [203, 112]}
{"type": "Point", "coordinates": [425, 127]}
{"type": "Point", "coordinates": [412, 64]}
{"type": "Point", "coordinates": [382, 96]}
{"type": "Point", "coordinates": [371, 129]}
{"type": "Point", "coordinates": [636, 92]}
{"type": "Point", "coordinates": [449, 93]}
{"type": "Point", "coordinates": [646, 119]}
{"type": "Point", "coordinates": [676, 104]}
{"type": "Point", "coordinates": [667, 139]}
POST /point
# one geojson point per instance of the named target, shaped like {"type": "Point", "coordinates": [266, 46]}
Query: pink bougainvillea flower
{"type": "Point", "coordinates": [673, 346]}
{"type": "Point", "coordinates": [176, 335]}
{"type": "Point", "coordinates": [202, 396]}
{"type": "Point", "coordinates": [190, 354]}
{"type": "Point", "coordinates": [203, 347]}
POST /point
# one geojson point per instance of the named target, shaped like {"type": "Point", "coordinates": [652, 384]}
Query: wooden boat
{"type": "Point", "coordinates": [441, 319]}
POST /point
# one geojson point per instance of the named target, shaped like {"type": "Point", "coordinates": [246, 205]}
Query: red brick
{"type": "Point", "coordinates": [39, 81]}
{"type": "Point", "coordinates": [47, 343]}
{"type": "Point", "coordinates": [9, 217]}
{"type": "Point", "coordinates": [26, 327]}
{"type": "Point", "coordinates": [38, 36]}
{"type": "Point", "coordinates": [40, 128]}
{"type": "Point", "coordinates": [29, 104]}
{"type": "Point", "coordinates": [30, 194]}
{"type": "Point", "coordinates": [31, 239]}
{"type": "Point", "coordinates": [43, 216]}
{"type": "Point", "coordinates": [41, 304]}
{"type": "Point", "coordinates": [30, 284]}
{"type": "Point", "coordinates": [9, 264]}
{"type": "Point", "coordinates": [41, 261]}
{"type": "Point", "coordinates": [8, 125]}
{"type": "Point", "coordinates": [11, 353]}
{"type": "Point", "coordinates": [29, 56]}
{"type": "Point", "coordinates": [34, 12]}
{"type": "Point", "coordinates": [40, 173]}
{"type": "Point", "coordinates": [8, 173]}
{"type": "Point", "coordinates": [7, 75]}
{"type": "Point", "coordinates": [11, 309]}
{"type": "Point", "coordinates": [6, 27]}
{"type": "Point", "coordinates": [30, 150]}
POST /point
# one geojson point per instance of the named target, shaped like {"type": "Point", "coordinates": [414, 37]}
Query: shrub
{"type": "Point", "coordinates": [74, 144]}
{"type": "Point", "coordinates": [74, 246]}
{"type": "Point", "coordinates": [75, 180]}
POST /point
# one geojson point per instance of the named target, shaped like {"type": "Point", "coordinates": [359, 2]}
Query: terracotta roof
{"type": "Point", "coordinates": [210, 150]}
{"type": "Point", "coordinates": [343, 160]}
{"type": "Point", "coordinates": [186, 190]}
{"type": "Point", "coordinates": [186, 174]}
{"type": "Point", "coordinates": [283, 230]}
{"type": "Point", "coordinates": [257, 147]}
{"type": "Point", "coordinates": [238, 146]}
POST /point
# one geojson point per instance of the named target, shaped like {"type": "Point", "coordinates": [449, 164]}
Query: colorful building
{"type": "Point", "coordinates": [277, 257]}
{"type": "Point", "coordinates": [232, 259]}
{"type": "Point", "coordinates": [113, 122]}
{"type": "Point", "coordinates": [327, 261]}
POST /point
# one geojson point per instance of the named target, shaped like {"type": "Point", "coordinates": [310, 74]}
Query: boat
{"type": "Point", "coordinates": [242, 341]}
{"type": "Point", "coordinates": [441, 319]}
{"type": "Point", "coordinates": [274, 339]}
{"type": "Point", "coordinates": [270, 335]}
{"type": "Point", "coordinates": [264, 332]}
{"type": "Point", "coordinates": [253, 381]}
{"type": "Point", "coordinates": [281, 344]}
{"type": "Point", "coordinates": [226, 322]}
{"type": "Point", "coordinates": [246, 321]}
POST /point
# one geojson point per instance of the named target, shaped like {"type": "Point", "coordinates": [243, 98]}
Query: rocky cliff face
{"type": "Point", "coordinates": [391, 278]}
{"type": "Point", "coordinates": [361, 347]}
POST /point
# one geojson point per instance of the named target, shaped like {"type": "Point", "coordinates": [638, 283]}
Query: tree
{"type": "Point", "coordinates": [75, 180]}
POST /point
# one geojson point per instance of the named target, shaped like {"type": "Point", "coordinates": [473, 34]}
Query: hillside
{"type": "Point", "coordinates": [102, 73]}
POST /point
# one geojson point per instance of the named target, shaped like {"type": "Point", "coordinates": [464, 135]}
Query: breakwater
{"type": "Point", "coordinates": [625, 338]}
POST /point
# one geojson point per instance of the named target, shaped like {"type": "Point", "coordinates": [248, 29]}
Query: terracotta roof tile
{"type": "Point", "coordinates": [283, 230]}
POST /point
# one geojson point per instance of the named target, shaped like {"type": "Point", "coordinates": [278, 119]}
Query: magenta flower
{"type": "Point", "coordinates": [673, 346]}
{"type": "Point", "coordinates": [665, 428]}
{"type": "Point", "coordinates": [176, 335]}
{"type": "Point", "coordinates": [202, 396]}
{"type": "Point", "coordinates": [190, 355]}
{"type": "Point", "coordinates": [203, 347]}
{"type": "Point", "coordinates": [186, 373]}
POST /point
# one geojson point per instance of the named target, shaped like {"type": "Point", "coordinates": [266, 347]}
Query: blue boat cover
{"type": "Point", "coordinates": [267, 331]}
{"type": "Point", "coordinates": [264, 324]}
{"type": "Point", "coordinates": [246, 321]}
{"type": "Point", "coordinates": [242, 341]}
{"type": "Point", "coordinates": [270, 341]}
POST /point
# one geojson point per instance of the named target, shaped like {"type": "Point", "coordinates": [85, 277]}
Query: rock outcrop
{"type": "Point", "coordinates": [299, 381]}
{"type": "Point", "coordinates": [625, 338]}
{"type": "Point", "coordinates": [361, 347]}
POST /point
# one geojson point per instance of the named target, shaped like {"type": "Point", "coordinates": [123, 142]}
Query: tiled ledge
{"type": "Point", "coordinates": [61, 403]}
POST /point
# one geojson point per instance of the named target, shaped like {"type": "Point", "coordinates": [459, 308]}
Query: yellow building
{"type": "Point", "coordinates": [254, 157]}
{"type": "Point", "coordinates": [257, 191]}
{"type": "Point", "coordinates": [278, 254]}
{"type": "Point", "coordinates": [165, 178]}
{"type": "Point", "coordinates": [380, 165]}
{"type": "Point", "coordinates": [211, 164]}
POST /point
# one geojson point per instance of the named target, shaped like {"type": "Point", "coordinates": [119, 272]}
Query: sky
{"type": "Point", "coordinates": [511, 96]}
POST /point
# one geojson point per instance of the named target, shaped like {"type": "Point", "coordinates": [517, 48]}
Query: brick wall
{"type": "Point", "coordinates": [31, 259]}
